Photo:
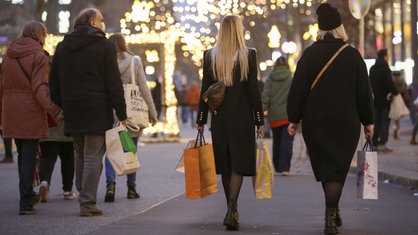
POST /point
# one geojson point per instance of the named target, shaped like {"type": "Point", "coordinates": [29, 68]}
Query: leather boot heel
{"type": "Point", "coordinates": [330, 221]}
{"type": "Point", "coordinates": [231, 217]}
{"type": "Point", "coordinates": [110, 192]}
{"type": "Point", "coordinates": [338, 220]}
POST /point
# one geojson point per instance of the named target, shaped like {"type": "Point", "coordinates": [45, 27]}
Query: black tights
{"type": "Point", "coordinates": [332, 191]}
{"type": "Point", "coordinates": [232, 183]}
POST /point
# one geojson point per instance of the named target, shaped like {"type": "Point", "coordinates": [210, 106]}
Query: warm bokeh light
{"type": "Point", "coordinates": [193, 24]}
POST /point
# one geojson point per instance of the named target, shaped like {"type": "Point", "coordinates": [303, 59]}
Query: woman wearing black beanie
{"type": "Point", "coordinates": [332, 106]}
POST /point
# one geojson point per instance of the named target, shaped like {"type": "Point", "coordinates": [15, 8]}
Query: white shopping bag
{"type": "Point", "coordinates": [121, 151]}
{"type": "Point", "coordinates": [398, 108]}
{"type": "Point", "coordinates": [136, 107]}
{"type": "Point", "coordinates": [367, 172]}
{"type": "Point", "coordinates": [180, 164]}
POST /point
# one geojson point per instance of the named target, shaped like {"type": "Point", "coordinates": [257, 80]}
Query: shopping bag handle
{"type": "Point", "coordinates": [200, 138]}
{"type": "Point", "coordinates": [368, 145]}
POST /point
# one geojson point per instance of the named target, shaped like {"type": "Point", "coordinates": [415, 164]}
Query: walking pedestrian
{"type": "Point", "coordinates": [8, 154]}
{"type": "Point", "coordinates": [401, 87]}
{"type": "Point", "coordinates": [24, 96]}
{"type": "Point", "coordinates": [274, 100]}
{"type": "Point", "coordinates": [192, 99]}
{"type": "Point", "coordinates": [57, 144]}
{"type": "Point", "coordinates": [383, 91]}
{"type": "Point", "coordinates": [7, 143]}
{"type": "Point", "coordinates": [332, 110]}
{"type": "Point", "coordinates": [85, 81]}
{"type": "Point", "coordinates": [125, 58]}
{"type": "Point", "coordinates": [182, 106]}
{"type": "Point", "coordinates": [415, 129]}
{"type": "Point", "coordinates": [232, 126]}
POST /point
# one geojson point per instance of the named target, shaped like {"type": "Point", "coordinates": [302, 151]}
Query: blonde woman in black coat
{"type": "Point", "coordinates": [333, 110]}
{"type": "Point", "coordinates": [233, 125]}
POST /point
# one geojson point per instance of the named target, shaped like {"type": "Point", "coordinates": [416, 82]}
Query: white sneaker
{"type": "Point", "coordinates": [43, 191]}
{"type": "Point", "coordinates": [69, 195]}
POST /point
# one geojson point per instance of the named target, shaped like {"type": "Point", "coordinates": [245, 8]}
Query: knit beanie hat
{"type": "Point", "coordinates": [328, 17]}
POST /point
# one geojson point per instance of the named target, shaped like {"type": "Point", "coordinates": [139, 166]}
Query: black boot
{"type": "Point", "coordinates": [132, 194]}
{"type": "Point", "coordinates": [231, 220]}
{"type": "Point", "coordinates": [110, 192]}
{"type": "Point", "coordinates": [330, 221]}
{"type": "Point", "coordinates": [338, 220]}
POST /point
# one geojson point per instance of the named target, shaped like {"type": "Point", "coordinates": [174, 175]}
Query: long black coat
{"type": "Point", "coordinates": [332, 111]}
{"type": "Point", "coordinates": [85, 81]}
{"type": "Point", "coordinates": [233, 126]}
{"type": "Point", "coordinates": [382, 84]}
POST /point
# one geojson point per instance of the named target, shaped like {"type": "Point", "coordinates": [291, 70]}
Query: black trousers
{"type": "Point", "coordinates": [381, 126]}
{"type": "Point", "coordinates": [50, 150]}
{"type": "Point", "coordinates": [26, 159]}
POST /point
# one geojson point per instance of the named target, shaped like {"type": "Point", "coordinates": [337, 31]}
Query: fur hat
{"type": "Point", "coordinates": [328, 17]}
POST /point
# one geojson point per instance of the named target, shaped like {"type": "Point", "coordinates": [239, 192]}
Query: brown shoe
{"type": "Point", "coordinates": [413, 142]}
{"type": "Point", "coordinates": [7, 160]}
{"type": "Point", "coordinates": [95, 212]}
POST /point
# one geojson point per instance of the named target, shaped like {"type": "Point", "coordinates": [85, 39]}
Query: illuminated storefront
{"type": "Point", "coordinates": [395, 28]}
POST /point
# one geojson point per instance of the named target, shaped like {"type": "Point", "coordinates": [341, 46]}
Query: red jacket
{"type": "Point", "coordinates": [193, 96]}
{"type": "Point", "coordinates": [24, 104]}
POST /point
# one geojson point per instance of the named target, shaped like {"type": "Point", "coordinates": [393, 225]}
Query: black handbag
{"type": "Point", "coordinates": [214, 96]}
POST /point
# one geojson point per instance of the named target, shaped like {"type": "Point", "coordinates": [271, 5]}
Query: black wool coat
{"type": "Point", "coordinates": [233, 126]}
{"type": "Point", "coordinates": [85, 81]}
{"type": "Point", "coordinates": [332, 111]}
{"type": "Point", "coordinates": [382, 84]}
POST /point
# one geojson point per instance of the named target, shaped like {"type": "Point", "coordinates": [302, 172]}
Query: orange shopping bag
{"type": "Point", "coordinates": [199, 169]}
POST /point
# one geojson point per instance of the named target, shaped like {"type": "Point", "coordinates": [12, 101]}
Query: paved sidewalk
{"type": "Point", "coordinates": [398, 167]}
{"type": "Point", "coordinates": [296, 207]}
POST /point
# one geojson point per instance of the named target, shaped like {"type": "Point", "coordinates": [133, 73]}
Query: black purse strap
{"type": "Point", "coordinates": [23, 70]}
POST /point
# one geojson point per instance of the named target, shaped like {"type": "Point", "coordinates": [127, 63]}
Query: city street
{"type": "Point", "coordinates": [297, 205]}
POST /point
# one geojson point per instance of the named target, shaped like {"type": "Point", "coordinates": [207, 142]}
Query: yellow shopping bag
{"type": "Point", "coordinates": [263, 181]}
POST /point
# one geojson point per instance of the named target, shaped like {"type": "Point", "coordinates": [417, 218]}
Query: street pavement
{"type": "Point", "coordinates": [297, 205]}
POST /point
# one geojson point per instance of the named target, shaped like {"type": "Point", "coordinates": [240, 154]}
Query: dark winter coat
{"type": "Point", "coordinates": [25, 104]}
{"type": "Point", "coordinates": [332, 111]}
{"type": "Point", "coordinates": [233, 126]}
{"type": "Point", "coordinates": [382, 84]}
{"type": "Point", "coordinates": [275, 93]}
{"type": "Point", "coordinates": [85, 81]}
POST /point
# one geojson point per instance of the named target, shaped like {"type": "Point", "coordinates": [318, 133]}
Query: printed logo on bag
{"type": "Point", "coordinates": [136, 102]}
{"type": "Point", "coordinates": [370, 179]}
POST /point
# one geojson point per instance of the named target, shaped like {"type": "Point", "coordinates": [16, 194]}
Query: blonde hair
{"type": "Point", "coordinates": [230, 49]}
{"type": "Point", "coordinates": [338, 32]}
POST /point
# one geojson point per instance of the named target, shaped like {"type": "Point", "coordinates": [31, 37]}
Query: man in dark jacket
{"type": "Point", "coordinates": [85, 81]}
{"type": "Point", "coordinates": [383, 90]}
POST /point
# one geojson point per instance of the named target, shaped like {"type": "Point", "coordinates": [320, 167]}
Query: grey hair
{"type": "Point", "coordinates": [85, 16]}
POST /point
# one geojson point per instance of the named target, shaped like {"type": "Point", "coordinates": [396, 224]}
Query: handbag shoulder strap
{"type": "Point", "coordinates": [23, 70]}
{"type": "Point", "coordinates": [133, 70]}
{"type": "Point", "coordinates": [327, 64]}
